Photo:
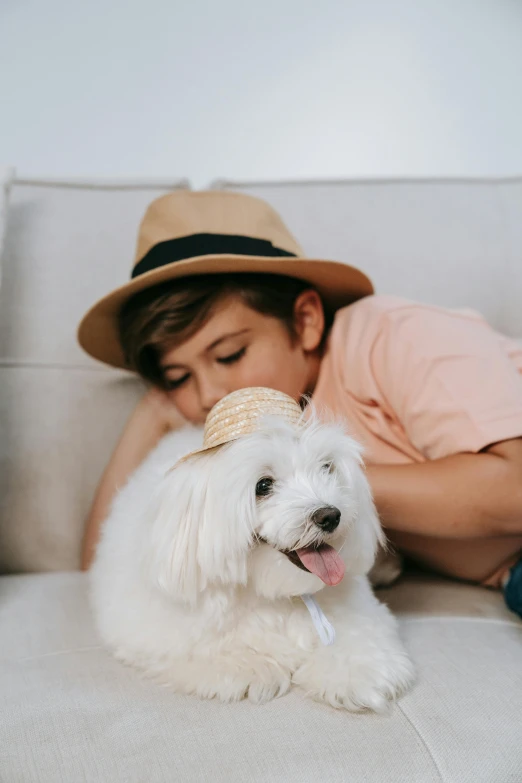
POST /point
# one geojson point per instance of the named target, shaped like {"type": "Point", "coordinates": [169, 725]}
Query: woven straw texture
{"type": "Point", "coordinates": [239, 413]}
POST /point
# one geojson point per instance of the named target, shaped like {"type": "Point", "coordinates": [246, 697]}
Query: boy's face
{"type": "Point", "coordinates": [239, 347]}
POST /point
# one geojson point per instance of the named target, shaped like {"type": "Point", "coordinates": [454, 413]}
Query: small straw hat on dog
{"type": "Point", "coordinates": [241, 412]}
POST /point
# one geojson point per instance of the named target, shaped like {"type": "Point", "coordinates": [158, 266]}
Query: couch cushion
{"type": "Point", "coordinates": [70, 712]}
{"type": "Point", "coordinates": [58, 427]}
{"type": "Point", "coordinates": [456, 243]}
{"type": "Point", "coordinates": [60, 411]}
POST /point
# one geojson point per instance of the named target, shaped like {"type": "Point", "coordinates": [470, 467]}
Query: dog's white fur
{"type": "Point", "coordinates": [183, 588]}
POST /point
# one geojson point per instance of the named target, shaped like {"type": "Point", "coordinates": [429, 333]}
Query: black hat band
{"type": "Point", "coordinates": [196, 245]}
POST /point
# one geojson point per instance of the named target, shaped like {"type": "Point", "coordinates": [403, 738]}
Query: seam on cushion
{"type": "Point", "coordinates": [459, 619]}
{"type": "Point", "coordinates": [389, 181]}
{"type": "Point", "coordinates": [59, 652]}
{"type": "Point", "coordinates": [34, 363]}
{"type": "Point", "coordinates": [423, 741]}
{"type": "Point", "coordinates": [101, 184]}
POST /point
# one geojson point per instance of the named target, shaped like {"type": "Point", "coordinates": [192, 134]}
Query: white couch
{"type": "Point", "coordinates": [68, 711]}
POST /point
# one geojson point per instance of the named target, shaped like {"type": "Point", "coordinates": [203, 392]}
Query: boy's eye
{"type": "Point", "coordinates": [175, 383]}
{"type": "Point", "coordinates": [234, 357]}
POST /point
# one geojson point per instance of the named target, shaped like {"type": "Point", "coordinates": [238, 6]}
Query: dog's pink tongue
{"type": "Point", "coordinates": [324, 562]}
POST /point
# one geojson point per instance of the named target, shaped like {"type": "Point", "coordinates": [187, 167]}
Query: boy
{"type": "Point", "coordinates": [221, 297]}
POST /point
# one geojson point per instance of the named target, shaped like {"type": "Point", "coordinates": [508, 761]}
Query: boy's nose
{"type": "Point", "coordinates": [209, 395]}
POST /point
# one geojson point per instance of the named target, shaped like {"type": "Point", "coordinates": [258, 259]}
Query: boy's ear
{"type": "Point", "coordinates": [309, 319]}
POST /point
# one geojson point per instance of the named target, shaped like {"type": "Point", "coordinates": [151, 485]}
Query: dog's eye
{"type": "Point", "coordinates": [328, 467]}
{"type": "Point", "coordinates": [264, 487]}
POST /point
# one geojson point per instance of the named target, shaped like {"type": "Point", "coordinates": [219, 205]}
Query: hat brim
{"type": "Point", "coordinates": [197, 453]}
{"type": "Point", "coordinates": [338, 284]}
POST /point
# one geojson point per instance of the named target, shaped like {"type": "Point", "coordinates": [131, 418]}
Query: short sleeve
{"type": "Point", "coordinates": [447, 379]}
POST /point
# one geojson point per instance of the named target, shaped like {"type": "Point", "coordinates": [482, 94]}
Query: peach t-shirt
{"type": "Point", "coordinates": [416, 382]}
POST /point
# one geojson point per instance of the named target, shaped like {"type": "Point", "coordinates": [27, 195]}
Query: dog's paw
{"type": "Point", "coordinates": [229, 682]}
{"type": "Point", "coordinates": [228, 679]}
{"type": "Point", "coordinates": [356, 684]}
{"type": "Point", "coordinates": [262, 689]}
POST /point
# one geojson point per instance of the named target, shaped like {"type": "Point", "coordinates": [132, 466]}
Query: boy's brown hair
{"type": "Point", "coordinates": [164, 316]}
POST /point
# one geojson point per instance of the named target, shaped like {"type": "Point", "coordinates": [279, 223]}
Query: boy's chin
{"type": "Point", "coordinates": [273, 575]}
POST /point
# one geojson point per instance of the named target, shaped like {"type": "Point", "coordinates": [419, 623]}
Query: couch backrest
{"type": "Point", "coordinates": [61, 413]}
{"type": "Point", "coordinates": [449, 242]}
{"type": "Point", "coordinates": [457, 243]}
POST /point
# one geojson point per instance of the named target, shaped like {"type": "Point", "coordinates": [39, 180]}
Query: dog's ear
{"type": "Point", "coordinates": [201, 523]}
{"type": "Point", "coordinates": [171, 533]}
{"type": "Point", "coordinates": [367, 534]}
{"type": "Point", "coordinates": [228, 521]}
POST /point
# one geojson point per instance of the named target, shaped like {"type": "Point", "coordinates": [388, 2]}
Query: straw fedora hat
{"type": "Point", "coordinates": [206, 232]}
{"type": "Point", "coordinates": [241, 412]}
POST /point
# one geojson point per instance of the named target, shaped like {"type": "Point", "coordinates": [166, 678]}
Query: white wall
{"type": "Point", "coordinates": [266, 89]}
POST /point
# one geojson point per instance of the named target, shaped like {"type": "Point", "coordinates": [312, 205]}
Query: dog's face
{"type": "Point", "coordinates": [271, 510]}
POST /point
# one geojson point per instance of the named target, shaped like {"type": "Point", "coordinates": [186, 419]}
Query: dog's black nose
{"type": "Point", "coordinates": [327, 518]}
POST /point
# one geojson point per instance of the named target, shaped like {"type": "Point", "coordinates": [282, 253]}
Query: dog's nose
{"type": "Point", "coordinates": [327, 518]}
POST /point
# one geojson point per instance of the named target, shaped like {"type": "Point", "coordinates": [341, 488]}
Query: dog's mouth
{"type": "Point", "coordinates": [322, 560]}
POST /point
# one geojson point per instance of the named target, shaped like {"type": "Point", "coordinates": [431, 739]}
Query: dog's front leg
{"type": "Point", "coordinates": [229, 677]}
{"type": "Point", "coordinates": [366, 667]}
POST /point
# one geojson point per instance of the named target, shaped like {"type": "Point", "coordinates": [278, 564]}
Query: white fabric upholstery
{"type": "Point", "coordinates": [67, 245]}
{"type": "Point", "coordinates": [58, 426]}
{"type": "Point", "coordinates": [60, 412]}
{"type": "Point", "coordinates": [71, 713]}
{"type": "Point", "coordinates": [456, 243]}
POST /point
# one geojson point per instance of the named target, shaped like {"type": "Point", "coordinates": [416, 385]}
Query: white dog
{"type": "Point", "coordinates": [201, 568]}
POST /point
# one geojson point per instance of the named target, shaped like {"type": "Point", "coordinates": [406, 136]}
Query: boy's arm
{"type": "Point", "coordinates": [460, 496]}
{"type": "Point", "coordinates": [152, 418]}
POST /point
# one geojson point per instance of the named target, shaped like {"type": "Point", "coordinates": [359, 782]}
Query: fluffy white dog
{"type": "Point", "coordinates": [200, 570]}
